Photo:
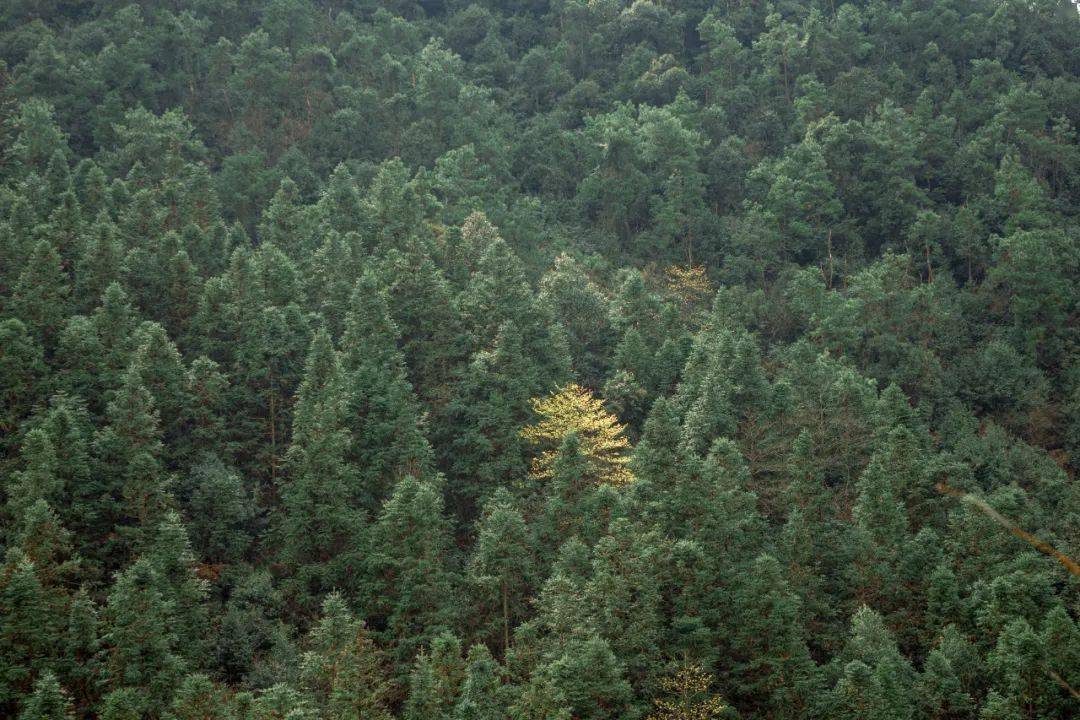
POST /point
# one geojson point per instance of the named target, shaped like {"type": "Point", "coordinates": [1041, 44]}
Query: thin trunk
{"type": "Point", "coordinates": [506, 620]}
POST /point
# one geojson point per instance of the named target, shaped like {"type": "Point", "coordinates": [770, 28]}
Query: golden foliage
{"type": "Point", "coordinates": [689, 284]}
{"type": "Point", "coordinates": [573, 409]}
{"type": "Point", "coordinates": [689, 697]}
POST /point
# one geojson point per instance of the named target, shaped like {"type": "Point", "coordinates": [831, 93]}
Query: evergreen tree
{"type": "Point", "coordinates": [480, 690]}
{"type": "Point", "coordinates": [169, 552]}
{"type": "Point", "coordinates": [590, 678]}
{"type": "Point", "coordinates": [40, 295]}
{"type": "Point", "coordinates": [26, 636]}
{"type": "Point", "coordinates": [21, 370]}
{"type": "Point", "coordinates": [343, 668]}
{"type": "Point", "coordinates": [323, 522]}
{"type": "Point", "coordinates": [770, 665]}
{"type": "Point", "coordinates": [144, 651]}
{"type": "Point", "coordinates": [415, 583]}
{"type": "Point", "coordinates": [381, 409]}
{"type": "Point", "coordinates": [49, 701]}
{"type": "Point", "coordinates": [200, 698]}
{"type": "Point", "coordinates": [501, 563]}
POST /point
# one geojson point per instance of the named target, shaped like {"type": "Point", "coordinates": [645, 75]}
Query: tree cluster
{"type": "Point", "coordinates": [539, 360]}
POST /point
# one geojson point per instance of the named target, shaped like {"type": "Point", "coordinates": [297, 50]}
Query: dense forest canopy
{"type": "Point", "coordinates": [539, 360]}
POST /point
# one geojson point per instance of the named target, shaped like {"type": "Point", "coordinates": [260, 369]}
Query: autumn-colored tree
{"type": "Point", "coordinates": [688, 696]}
{"type": "Point", "coordinates": [603, 442]}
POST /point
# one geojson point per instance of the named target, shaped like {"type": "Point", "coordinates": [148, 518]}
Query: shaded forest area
{"type": "Point", "coordinates": [539, 360]}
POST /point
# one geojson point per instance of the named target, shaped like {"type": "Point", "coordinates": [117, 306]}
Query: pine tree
{"type": "Point", "coordinates": [589, 676]}
{"type": "Point", "coordinates": [339, 208]}
{"type": "Point", "coordinates": [574, 505]}
{"type": "Point", "coordinates": [38, 135]}
{"type": "Point", "coordinates": [539, 700]}
{"type": "Point", "coordinates": [221, 511]}
{"type": "Point", "coordinates": [81, 664]}
{"type": "Point", "coordinates": [40, 295]}
{"type": "Point", "coordinates": [479, 433]}
{"type": "Point", "coordinates": [130, 448]}
{"type": "Point", "coordinates": [49, 701]}
{"type": "Point", "coordinates": [414, 582]}
{"type": "Point", "coordinates": [323, 522]}
{"type": "Point", "coordinates": [169, 552]}
{"type": "Point", "coordinates": [501, 564]}
{"type": "Point", "coordinates": [625, 597]}
{"type": "Point", "coordinates": [47, 543]}
{"type": "Point", "coordinates": [422, 701]}
{"type": "Point", "coordinates": [388, 441]}
{"type": "Point", "coordinates": [480, 691]}
{"type": "Point", "coordinates": [1017, 669]}
{"type": "Point", "coordinates": [158, 363]}
{"type": "Point", "coordinates": [200, 698]}
{"type": "Point", "coordinates": [39, 480]}
{"type": "Point", "coordinates": [435, 680]}
{"type": "Point", "coordinates": [21, 370]}
{"type": "Point", "coordinates": [343, 668]}
{"type": "Point", "coordinates": [577, 304]}
{"type": "Point", "coordinates": [770, 665]}
{"type": "Point", "coordinates": [939, 690]}
{"type": "Point", "coordinates": [284, 223]}
{"type": "Point", "coordinates": [25, 629]}
{"type": "Point", "coordinates": [877, 680]}
{"type": "Point", "coordinates": [99, 263]}
{"type": "Point", "coordinates": [144, 650]}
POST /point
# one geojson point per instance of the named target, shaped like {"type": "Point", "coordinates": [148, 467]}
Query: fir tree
{"type": "Point", "coordinates": [415, 583]}
{"type": "Point", "coordinates": [501, 563]}
{"type": "Point", "coordinates": [480, 690]}
{"type": "Point", "coordinates": [343, 668]}
{"type": "Point", "coordinates": [48, 702]}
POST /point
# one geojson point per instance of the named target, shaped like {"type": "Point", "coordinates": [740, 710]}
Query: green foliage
{"type": "Point", "coordinates": [339, 338]}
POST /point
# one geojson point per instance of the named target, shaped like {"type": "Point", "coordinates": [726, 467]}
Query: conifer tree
{"type": "Point", "coordinates": [435, 680]}
{"type": "Point", "coordinates": [39, 479]}
{"type": "Point", "coordinates": [169, 552]}
{"type": "Point", "coordinates": [501, 564]}
{"type": "Point", "coordinates": [578, 305]}
{"type": "Point", "coordinates": [322, 528]}
{"type": "Point", "coordinates": [484, 449]}
{"type": "Point", "coordinates": [381, 409]}
{"type": "Point", "coordinates": [99, 263]}
{"type": "Point", "coordinates": [603, 444]}
{"type": "Point", "coordinates": [415, 583]}
{"type": "Point", "coordinates": [131, 448]}
{"type": "Point", "coordinates": [422, 701]}
{"type": "Point", "coordinates": [480, 690]}
{"type": "Point", "coordinates": [21, 369]}
{"type": "Point", "coordinates": [876, 679]}
{"type": "Point", "coordinates": [200, 698]}
{"type": "Point", "coordinates": [48, 702]}
{"type": "Point", "coordinates": [144, 650]}
{"type": "Point", "coordinates": [624, 595]}
{"type": "Point", "coordinates": [81, 666]}
{"type": "Point", "coordinates": [771, 667]}
{"type": "Point", "coordinates": [26, 636]}
{"type": "Point", "coordinates": [40, 296]}
{"type": "Point", "coordinates": [47, 543]}
{"type": "Point", "coordinates": [343, 668]}
{"type": "Point", "coordinates": [589, 676]}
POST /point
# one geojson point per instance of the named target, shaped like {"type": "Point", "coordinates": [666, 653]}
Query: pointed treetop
{"type": "Point", "coordinates": [574, 409]}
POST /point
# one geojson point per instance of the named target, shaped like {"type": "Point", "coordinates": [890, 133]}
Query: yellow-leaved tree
{"type": "Point", "coordinates": [689, 697]}
{"type": "Point", "coordinates": [601, 437]}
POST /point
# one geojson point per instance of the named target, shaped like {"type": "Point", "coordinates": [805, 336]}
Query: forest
{"type": "Point", "coordinates": [539, 360]}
